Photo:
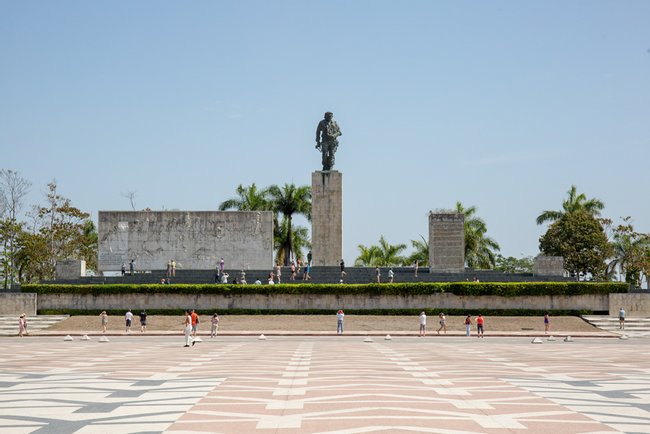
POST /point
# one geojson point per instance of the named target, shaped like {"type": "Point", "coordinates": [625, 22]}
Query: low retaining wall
{"type": "Point", "coordinates": [634, 304]}
{"type": "Point", "coordinates": [17, 303]}
{"type": "Point", "coordinates": [317, 302]}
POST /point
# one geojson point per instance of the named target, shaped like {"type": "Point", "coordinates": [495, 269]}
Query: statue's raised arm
{"type": "Point", "coordinates": [327, 133]}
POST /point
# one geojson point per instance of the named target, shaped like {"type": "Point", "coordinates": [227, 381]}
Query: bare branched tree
{"type": "Point", "coordinates": [13, 189]}
{"type": "Point", "coordinates": [131, 196]}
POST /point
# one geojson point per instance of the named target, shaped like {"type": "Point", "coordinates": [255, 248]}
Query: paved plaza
{"type": "Point", "coordinates": [336, 385]}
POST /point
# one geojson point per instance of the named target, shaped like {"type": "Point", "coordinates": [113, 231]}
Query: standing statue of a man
{"type": "Point", "coordinates": [326, 133]}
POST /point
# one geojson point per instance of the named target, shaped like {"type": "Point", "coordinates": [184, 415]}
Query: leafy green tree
{"type": "Point", "coordinates": [32, 257]}
{"type": "Point", "coordinates": [631, 253]}
{"type": "Point", "coordinates": [420, 252]}
{"type": "Point", "coordinates": [10, 231]}
{"type": "Point", "coordinates": [65, 232]}
{"type": "Point", "coordinates": [289, 200]}
{"type": "Point", "coordinates": [300, 241]}
{"type": "Point", "coordinates": [575, 202]}
{"type": "Point", "coordinates": [511, 264]}
{"type": "Point", "coordinates": [580, 238]}
{"type": "Point", "coordinates": [480, 250]}
{"type": "Point", "coordinates": [248, 199]}
{"type": "Point", "coordinates": [383, 255]}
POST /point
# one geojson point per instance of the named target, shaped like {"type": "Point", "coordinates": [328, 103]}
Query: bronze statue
{"type": "Point", "coordinates": [326, 133]}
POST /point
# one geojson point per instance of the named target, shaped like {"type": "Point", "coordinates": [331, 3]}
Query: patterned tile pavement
{"type": "Point", "coordinates": [335, 385]}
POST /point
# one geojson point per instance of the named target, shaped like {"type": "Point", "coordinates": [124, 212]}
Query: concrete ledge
{"type": "Point", "coordinates": [17, 303]}
{"type": "Point", "coordinates": [593, 302]}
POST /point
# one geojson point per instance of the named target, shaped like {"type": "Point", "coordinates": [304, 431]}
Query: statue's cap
{"type": "Point", "coordinates": [329, 113]}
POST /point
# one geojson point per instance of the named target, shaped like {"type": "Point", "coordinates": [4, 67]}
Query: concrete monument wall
{"type": "Point", "coordinates": [196, 240]}
{"type": "Point", "coordinates": [446, 242]}
{"type": "Point", "coordinates": [548, 266]}
{"type": "Point", "coordinates": [70, 268]}
{"type": "Point", "coordinates": [326, 217]}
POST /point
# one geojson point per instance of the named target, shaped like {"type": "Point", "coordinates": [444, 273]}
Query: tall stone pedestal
{"type": "Point", "coordinates": [446, 242]}
{"type": "Point", "coordinates": [326, 217]}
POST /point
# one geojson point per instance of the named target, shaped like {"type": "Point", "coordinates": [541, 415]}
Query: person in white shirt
{"type": "Point", "coordinates": [423, 324]}
{"type": "Point", "coordinates": [339, 322]}
{"type": "Point", "coordinates": [129, 319]}
{"type": "Point", "coordinates": [188, 329]}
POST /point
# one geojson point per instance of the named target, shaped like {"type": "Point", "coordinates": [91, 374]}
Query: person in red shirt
{"type": "Point", "coordinates": [195, 323]}
{"type": "Point", "coordinates": [479, 325]}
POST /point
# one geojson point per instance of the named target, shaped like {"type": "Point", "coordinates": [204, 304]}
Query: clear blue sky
{"type": "Point", "coordinates": [498, 104]}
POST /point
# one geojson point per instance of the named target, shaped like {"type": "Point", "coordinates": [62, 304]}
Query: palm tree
{"type": "Point", "coordinates": [367, 256]}
{"type": "Point", "coordinates": [389, 254]}
{"type": "Point", "coordinates": [479, 249]}
{"type": "Point", "coordinates": [631, 253]}
{"type": "Point", "coordinates": [420, 252]}
{"type": "Point", "coordinates": [248, 199]}
{"type": "Point", "coordinates": [575, 202]}
{"type": "Point", "coordinates": [383, 255]}
{"type": "Point", "coordinates": [290, 200]}
{"type": "Point", "coordinates": [300, 240]}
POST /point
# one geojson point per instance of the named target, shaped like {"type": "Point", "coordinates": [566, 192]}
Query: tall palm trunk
{"type": "Point", "coordinates": [289, 248]}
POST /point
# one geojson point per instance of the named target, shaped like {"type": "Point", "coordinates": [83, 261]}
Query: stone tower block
{"type": "Point", "coordinates": [326, 217]}
{"type": "Point", "coordinates": [548, 266]}
{"type": "Point", "coordinates": [446, 242]}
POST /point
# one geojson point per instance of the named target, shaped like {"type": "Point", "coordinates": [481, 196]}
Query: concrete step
{"type": "Point", "coordinates": [9, 324]}
{"type": "Point", "coordinates": [634, 326]}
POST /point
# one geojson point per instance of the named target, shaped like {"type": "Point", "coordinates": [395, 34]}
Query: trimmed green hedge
{"type": "Point", "coordinates": [375, 312]}
{"type": "Point", "coordinates": [504, 289]}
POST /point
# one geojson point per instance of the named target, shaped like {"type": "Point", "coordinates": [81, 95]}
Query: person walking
{"type": "Point", "coordinates": [132, 267]}
{"type": "Point", "coordinates": [621, 319]}
{"type": "Point", "coordinates": [378, 274]}
{"type": "Point", "coordinates": [391, 275]}
{"type": "Point", "coordinates": [343, 273]}
{"type": "Point", "coordinates": [104, 320]}
{"type": "Point", "coordinates": [306, 275]}
{"type": "Point", "coordinates": [423, 324]}
{"type": "Point", "coordinates": [143, 321]}
{"type": "Point", "coordinates": [215, 325]}
{"type": "Point", "coordinates": [443, 322]}
{"type": "Point", "coordinates": [416, 266]}
{"type": "Point", "coordinates": [293, 271]}
{"type": "Point", "coordinates": [468, 325]}
{"type": "Point", "coordinates": [188, 329]}
{"type": "Point", "coordinates": [480, 321]}
{"type": "Point", "coordinates": [339, 322]}
{"type": "Point", "coordinates": [278, 272]}
{"type": "Point", "coordinates": [173, 266]}
{"type": "Point", "coordinates": [547, 323]}
{"type": "Point", "coordinates": [22, 325]}
{"type": "Point", "coordinates": [169, 268]}
{"type": "Point", "coordinates": [195, 323]}
{"type": "Point", "coordinates": [128, 318]}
